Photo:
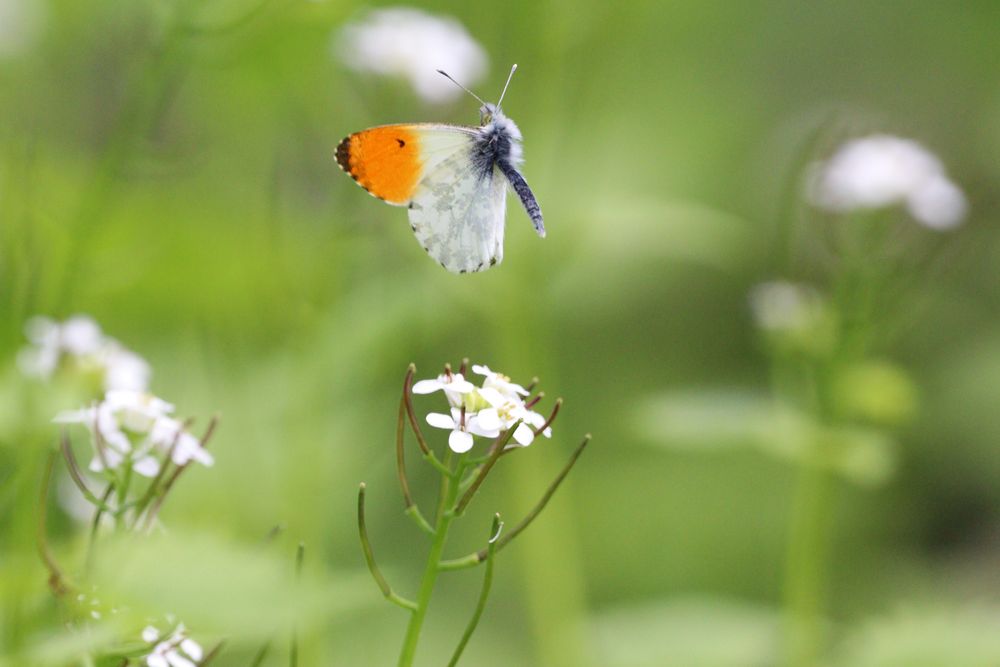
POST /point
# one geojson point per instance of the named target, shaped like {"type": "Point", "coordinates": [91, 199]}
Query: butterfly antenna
{"type": "Point", "coordinates": [509, 77]}
{"type": "Point", "coordinates": [448, 76]}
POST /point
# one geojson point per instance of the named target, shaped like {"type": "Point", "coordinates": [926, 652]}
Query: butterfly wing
{"type": "Point", "coordinates": [457, 215]}
{"type": "Point", "coordinates": [455, 211]}
{"type": "Point", "coordinates": [388, 161]}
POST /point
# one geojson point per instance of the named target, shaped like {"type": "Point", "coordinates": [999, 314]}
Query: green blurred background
{"type": "Point", "coordinates": [167, 168]}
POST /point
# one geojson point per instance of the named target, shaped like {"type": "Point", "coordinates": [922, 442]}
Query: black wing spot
{"type": "Point", "coordinates": [344, 154]}
{"type": "Point", "coordinates": [401, 142]}
{"type": "Point", "coordinates": [493, 261]}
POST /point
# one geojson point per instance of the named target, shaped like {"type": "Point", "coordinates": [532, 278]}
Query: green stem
{"type": "Point", "coordinates": [806, 568]}
{"type": "Point", "coordinates": [445, 515]}
{"type": "Point", "coordinates": [484, 592]}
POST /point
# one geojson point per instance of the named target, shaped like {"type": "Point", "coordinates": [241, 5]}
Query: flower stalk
{"type": "Point", "coordinates": [498, 410]}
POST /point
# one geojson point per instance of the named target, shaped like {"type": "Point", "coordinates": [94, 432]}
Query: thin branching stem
{"type": "Point", "coordinates": [478, 557]}
{"type": "Point", "coordinates": [484, 592]}
{"type": "Point", "coordinates": [77, 475]}
{"type": "Point", "coordinates": [366, 546]}
{"type": "Point", "coordinates": [443, 518]}
{"type": "Point", "coordinates": [166, 487]}
{"type": "Point", "coordinates": [96, 524]}
{"type": "Point", "coordinates": [404, 484]}
{"type": "Point", "coordinates": [155, 484]}
{"type": "Point", "coordinates": [408, 401]}
{"type": "Point", "coordinates": [484, 470]}
{"type": "Point", "coordinates": [262, 652]}
{"type": "Point", "coordinates": [57, 580]}
{"type": "Point", "coordinates": [412, 510]}
{"type": "Point", "coordinates": [552, 417]}
{"type": "Point", "coordinates": [293, 651]}
{"type": "Point", "coordinates": [212, 654]}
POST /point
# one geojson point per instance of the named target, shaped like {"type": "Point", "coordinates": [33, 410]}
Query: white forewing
{"type": "Point", "coordinates": [456, 213]}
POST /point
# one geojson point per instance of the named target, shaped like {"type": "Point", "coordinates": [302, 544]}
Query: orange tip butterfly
{"type": "Point", "coordinates": [451, 178]}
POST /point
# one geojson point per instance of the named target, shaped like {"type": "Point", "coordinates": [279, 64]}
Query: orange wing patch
{"type": "Point", "coordinates": [385, 161]}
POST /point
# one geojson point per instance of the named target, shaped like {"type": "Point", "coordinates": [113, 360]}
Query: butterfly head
{"type": "Point", "coordinates": [488, 112]}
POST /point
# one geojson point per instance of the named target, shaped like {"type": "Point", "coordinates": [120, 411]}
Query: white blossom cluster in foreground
{"type": "Point", "coordinates": [174, 650]}
{"type": "Point", "coordinates": [137, 429]}
{"type": "Point", "coordinates": [883, 170]}
{"type": "Point", "coordinates": [483, 411]}
{"type": "Point", "coordinates": [79, 343]}
{"type": "Point", "coordinates": [129, 427]}
{"type": "Point", "coordinates": [412, 44]}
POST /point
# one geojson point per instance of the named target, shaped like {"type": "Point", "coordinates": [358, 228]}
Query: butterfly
{"type": "Point", "coordinates": [452, 179]}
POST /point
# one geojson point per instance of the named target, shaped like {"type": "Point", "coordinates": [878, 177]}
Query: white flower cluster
{"type": "Point", "coordinates": [883, 170]}
{"type": "Point", "coordinates": [175, 650]}
{"type": "Point", "coordinates": [129, 427]}
{"type": "Point", "coordinates": [80, 342]}
{"type": "Point", "coordinates": [484, 411]}
{"type": "Point", "coordinates": [412, 44]}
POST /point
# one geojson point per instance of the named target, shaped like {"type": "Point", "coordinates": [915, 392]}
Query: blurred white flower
{"type": "Point", "coordinates": [462, 430]}
{"type": "Point", "coordinates": [80, 342]}
{"type": "Point", "coordinates": [176, 650]}
{"type": "Point", "coordinates": [168, 434]}
{"type": "Point", "coordinates": [123, 369]}
{"type": "Point", "coordinates": [784, 306]}
{"type": "Point", "coordinates": [883, 170]}
{"type": "Point", "coordinates": [132, 426]}
{"type": "Point", "coordinates": [412, 44]}
{"type": "Point", "coordinates": [453, 385]}
{"type": "Point", "coordinates": [21, 23]}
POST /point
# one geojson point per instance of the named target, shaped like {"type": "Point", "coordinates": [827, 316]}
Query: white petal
{"type": "Point", "coordinates": [533, 418]}
{"type": "Point", "coordinates": [81, 335]}
{"type": "Point", "coordinates": [147, 466]}
{"type": "Point", "coordinates": [85, 416]}
{"type": "Point", "coordinates": [518, 389]}
{"type": "Point", "coordinates": [492, 396]}
{"type": "Point", "coordinates": [438, 420]}
{"type": "Point", "coordinates": [192, 648]}
{"type": "Point", "coordinates": [426, 386]}
{"type": "Point", "coordinates": [474, 427]}
{"type": "Point", "coordinates": [460, 386]}
{"type": "Point", "coordinates": [150, 634]}
{"type": "Point", "coordinates": [524, 434]}
{"type": "Point", "coordinates": [177, 660]}
{"type": "Point", "coordinates": [156, 660]}
{"type": "Point", "coordinates": [460, 441]}
{"type": "Point", "coordinates": [482, 370]}
{"type": "Point", "coordinates": [488, 419]}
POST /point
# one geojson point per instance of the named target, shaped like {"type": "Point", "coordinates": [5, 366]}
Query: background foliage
{"type": "Point", "coordinates": [168, 169]}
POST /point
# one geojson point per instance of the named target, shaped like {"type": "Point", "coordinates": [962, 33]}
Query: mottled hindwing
{"type": "Point", "coordinates": [457, 211]}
